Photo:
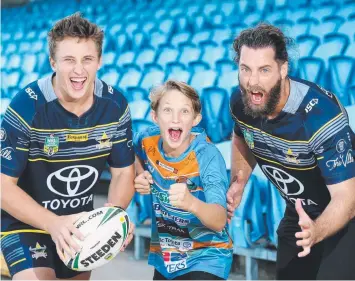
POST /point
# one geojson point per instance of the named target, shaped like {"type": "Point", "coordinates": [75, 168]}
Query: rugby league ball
{"type": "Point", "coordinates": [105, 230]}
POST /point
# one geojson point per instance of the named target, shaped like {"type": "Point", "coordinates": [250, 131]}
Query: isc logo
{"type": "Point", "coordinates": [310, 105]}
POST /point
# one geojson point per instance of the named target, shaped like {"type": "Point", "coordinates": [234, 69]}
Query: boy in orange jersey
{"type": "Point", "coordinates": [186, 176]}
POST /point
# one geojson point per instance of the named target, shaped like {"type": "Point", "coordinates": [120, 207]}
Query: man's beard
{"type": "Point", "coordinates": [272, 99]}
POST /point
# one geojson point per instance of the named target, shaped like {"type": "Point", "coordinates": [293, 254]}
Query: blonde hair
{"type": "Point", "coordinates": [158, 92]}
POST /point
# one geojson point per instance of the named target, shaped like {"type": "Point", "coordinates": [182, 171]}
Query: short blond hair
{"type": "Point", "coordinates": [158, 92]}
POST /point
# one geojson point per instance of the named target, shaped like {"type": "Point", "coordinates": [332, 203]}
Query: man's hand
{"type": "Point", "coordinates": [308, 234]}
{"type": "Point", "coordinates": [180, 196]}
{"type": "Point", "coordinates": [61, 229]}
{"type": "Point", "coordinates": [142, 182]}
{"type": "Point", "coordinates": [234, 194]}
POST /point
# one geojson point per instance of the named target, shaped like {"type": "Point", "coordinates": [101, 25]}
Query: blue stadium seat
{"type": "Point", "coordinates": [139, 109]}
{"type": "Point", "coordinates": [125, 58]}
{"type": "Point", "coordinates": [145, 56]}
{"type": "Point", "coordinates": [351, 112]}
{"type": "Point", "coordinates": [225, 65]}
{"type": "Point", "coordinates": [27, 79]}
{"type": "Point", "coordinates": [200, 36]}
{"type": "Point", "coordinates": [341, 72]}
{"type": "Point", "coordinates": [323, 11]}
{"type": "Point", "coordinates": [203, 79]}
{"type": "Point", "coordinates": [180, 37]}
{"type": "Point", "coordinates": [252, 19]}
{"type": "Point", "coordinates": [333, 44]}
{"type": "Point", "coordinates": [139, 40]}
{"type": "Point", "coordinates": [179, 75]}
{"type": "Point", "coordinates": [189, 53]}
{"type": "Point", "coordinates": [174, 66]}
{"type": "Point", "coordinates": [129, 79]}
{"type": "Point", "coordinates": [311, 69]}
{"type": "Point", "coordinates": [4, 104]}
{"type": "Point", "coordinates": [276, 209]}
{"type": "Point", "coordinates": [346, 10]}
{"type": "Point", "coordinates": [348, 28]}
{"type": "Point", "coordinates": [299, 29]}
{"type": "Point", "coordinates": [197, 66]}
{"type": "Point", "coordinates": [323, 28]}
{"type": "Point", "coordinates": [225, 148]}
{"type": "Point", "coordinates": [350, 51]}
{"type": "Point", "coordinates": [336, 20]}
{"type": "Point", "coordinates": [182, 24]}
{"type": "Point", "coordinates": [109, 58]}
{"type": "Point", "coordinates": [167, 54]}
{"type": "Point", "coordinates": [214, 100]}
{"type": "Point", "coordinates": [284, 24]}
{"type": "Point", "coordinates": [227, 8]}
{"type": "Point", "coordinates": [157, 38]}
{"type": "Point", "coordinates": [166, 26]}
{"type": "Point", "coordinates": [221, 34]}
{"type": "Point", "coordinates": [140, 125]}
{"type": "Point", "coordinates": [136, 94]}
{"type": "Point", "coordinates": [228, 81]}
{"type": "Point", "coordinates": [148, 26]}
{"type": "Point", "coordinates": [211, 55]}
{"type": "Point", "coordinates": [29, 62]}
{"type": "Point", "coordinates": [295, 15]}
{"type": "Point", "coordinates": [14, 62]}
{"type": "Point", "coordinates": [307, 44]}
{"type": "Point", "coordinates": [111, 76]}
{"type": "Point", "coordinates": [351, 92]}
{"type": "Point", "coordinates": [151, 79]}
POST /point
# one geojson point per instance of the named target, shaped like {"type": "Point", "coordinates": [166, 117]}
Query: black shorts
{"type": "Point", "coordinates": [29, 250]}
{"type": "Point", "coordinates": [193, 275]}
{"type": "Point", "coordinates": [330, 259]}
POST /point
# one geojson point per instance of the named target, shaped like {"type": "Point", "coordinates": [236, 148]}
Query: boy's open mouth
{"type": "Point", "coordinates": [175, 133]}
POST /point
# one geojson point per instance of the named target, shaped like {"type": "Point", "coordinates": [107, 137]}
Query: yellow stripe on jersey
{"type": "Point", "coordinates": [6, 233]}
{"type": "Point", "coordinates": [68, 160]}
{"type": "Point", "coordinates": [292, 168]}
{"type": "Point", "coordinates": [16, 262]}
{"type": "Point", "coordinates": [60, 130]}
{"type": "Point", "coordinates": [295, 141]}
{"type": "Point", "coordinates": [20, 148]}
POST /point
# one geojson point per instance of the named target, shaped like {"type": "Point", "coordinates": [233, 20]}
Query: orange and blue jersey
{"type": "Point", "coordinates": [180, 243]}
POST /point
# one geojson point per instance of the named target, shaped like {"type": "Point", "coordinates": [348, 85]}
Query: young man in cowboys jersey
{"type": "Point", "coordinates": [59, 132]}
{"type": "Point", "coordinates": [299, 134]}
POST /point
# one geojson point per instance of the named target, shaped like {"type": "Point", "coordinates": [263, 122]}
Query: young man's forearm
{"type": "Point", "coordinates": [121, 188]}
{"type": "Point", "coordinates": [25, 209]}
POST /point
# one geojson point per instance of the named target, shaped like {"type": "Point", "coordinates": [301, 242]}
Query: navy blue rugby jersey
{"type": "Point", "coordinates": [57, 156]}
{"type": "Point", "coordinates": [308, 146]}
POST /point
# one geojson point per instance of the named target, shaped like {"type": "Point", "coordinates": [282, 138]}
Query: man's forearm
{"type": "Point", "coordinates": [336, 215]}
{"type": "Point", "coordinates": [242, 159]}
{"type": "Point", "coordinates": [25, 209]}
{"type": "Point", "coordinates": [213, 216]}
{"type": "Point", "coordinates": [121, 188]}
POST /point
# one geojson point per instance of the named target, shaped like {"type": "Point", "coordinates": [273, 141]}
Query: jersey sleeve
{"type": "Point", "coordinates": [15, 139]}
{"type": "Point", "coordinates": [214, 178]}
{"type": "Point", "coordinates": [335, 157]}
{"type": "Point", "coordinates": [333, 146]}
{"type": "Point", "coordinates": [122, 154]}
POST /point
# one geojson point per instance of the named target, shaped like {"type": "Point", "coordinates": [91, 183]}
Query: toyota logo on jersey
{"type": "Point", "coordinates": [72, 181]}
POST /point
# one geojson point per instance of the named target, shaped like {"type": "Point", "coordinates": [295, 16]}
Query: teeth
{"type": "Point", "coordinates": [78, 79]}
{"type": "Point", "coordinates": [175, 128]}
